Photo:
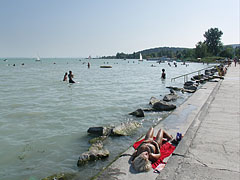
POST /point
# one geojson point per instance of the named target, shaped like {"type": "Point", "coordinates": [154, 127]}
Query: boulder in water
{"type": "Point", "coordinates": [194, 88]}
{"type": "Point", "coordinates": [174, 88]}
{"type": "Point", "coordinates": [96, 151]}
{"type": "Point", "coordinates": [153, 100]}
{"type": "Point", "coordinates": [170, 97]}
{"type": "Point", "coordinates": [188, 83]}
{"type": "Point", "coordinates": [97, 139]}
{"type": "Point", "coordinates": [159, 105]}
{"type": "Point", "coordinates": [125, 129]}
{"type": "Point", "coordinates": [137, 113]}
{"type": "Point", "coordinates": [100, 131]}
{"type": "Point", "coordinates": [163, 106]}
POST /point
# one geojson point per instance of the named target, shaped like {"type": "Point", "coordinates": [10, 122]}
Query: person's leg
{"type": "Point", "coordinates": [160, 135]}
{"type": "Point", "coordinates": [149, 134]}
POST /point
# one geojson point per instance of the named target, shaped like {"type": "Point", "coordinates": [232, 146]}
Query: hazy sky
{"type": "Point", "coordinates": [79, 28]}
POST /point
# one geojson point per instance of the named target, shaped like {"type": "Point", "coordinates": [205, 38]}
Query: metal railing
{"type": "Point", "coordinates": [185, 76]}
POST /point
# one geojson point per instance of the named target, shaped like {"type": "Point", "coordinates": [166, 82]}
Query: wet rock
{"type": "Point", "coordinates": [194, 88]}
{"type": "Point", "coordinates": [174, 88]}
{"type": "Point", "coordinates": [188, 90]}
{"type": "Point", "coordinates": [98, 139]}
{"type": "Point", "coordinates": [100, 131]}
{"type": "Point", "coordinates": [197, 77]}
{"type": "Point", "coordinates": [60, 176]}
{"type": "Point", "coordinates": [189, 83]}
{"type": "Point", "coordinates": [159, 105]}
{"type": "Point", "coordinates": [125, 129]}
{"type": "Point", "coordinates": [95, 152]}
{"type": "Point", "coordinates": [170, 97]}
{"type": "Point", "coordinates": [163, 106]}
{"type": "Point", "coordinates": [153, 100]}
{"type": "Point", "coordinates": [137, 113]}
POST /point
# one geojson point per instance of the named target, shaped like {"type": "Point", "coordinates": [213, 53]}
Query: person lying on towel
{"type": "Point", "coordinates": [148, 151]}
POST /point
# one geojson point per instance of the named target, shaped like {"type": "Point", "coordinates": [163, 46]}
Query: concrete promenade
{"type": "Point", "coordinates": [210, 122]}
{"type": "Point", "coordinates": [210, 149]}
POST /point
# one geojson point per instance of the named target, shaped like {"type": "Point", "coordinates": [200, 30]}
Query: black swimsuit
{"type": "Point", "coordinates": [70, 79]}
{"type": "Point", "coordinates": [150, 147]}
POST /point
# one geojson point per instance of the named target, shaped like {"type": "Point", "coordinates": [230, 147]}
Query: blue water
{"type": "Point", "coordinates": [44, 121]}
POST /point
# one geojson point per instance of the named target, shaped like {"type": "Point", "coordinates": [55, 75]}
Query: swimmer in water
{"type": "Point", "coordinates": [163, 74]}
{"type": "Point", "coordinates": [70, 76]}
{"type": "Point", "coordinates": [65, 77]}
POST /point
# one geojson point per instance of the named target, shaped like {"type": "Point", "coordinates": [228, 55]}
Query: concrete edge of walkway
{"type": "Point", "coordinates": [175, 160]}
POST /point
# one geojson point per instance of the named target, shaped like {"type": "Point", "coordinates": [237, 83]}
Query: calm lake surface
{"type": "Point", "coordinates": [44, 121]}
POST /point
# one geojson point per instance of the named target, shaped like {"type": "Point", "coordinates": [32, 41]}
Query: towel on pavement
{"type": "Point", "coordinates": [165, 150]}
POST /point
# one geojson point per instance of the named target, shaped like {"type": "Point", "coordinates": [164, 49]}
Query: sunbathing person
{"type": "Point", "coordinates": [148, 151]}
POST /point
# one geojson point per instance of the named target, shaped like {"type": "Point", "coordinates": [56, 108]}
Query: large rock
{"type": "Point", "coordinates": [100, 131]}
{"type": "Point", "coordinates": [189, 83]}
{"type": "Point", "coordinates": [137, 113]}
{"type": "Point", "coordinates": [174, 88]}
{"type": "Point", "coordinates": [159, 105]}
{"type": "Point", "coordinates": [170, 97]}
{"type": "Point", "coordinates": [197, 77]}
{"type": "Point", "coordinates": [95, 152]}
{"type": "Point", "coordinates": [125, 129]}
{"type": "Point", "coordinates": [194, 88]}
{"type": "Point", "coordinates": [153, 100]}
{"type": "Point", "coordinates": [163, 106]}
{"type": "Point", "coordinates": [97, 139]}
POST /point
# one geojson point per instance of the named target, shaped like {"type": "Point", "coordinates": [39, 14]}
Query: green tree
{"type": "Point", "coordinates": [237, 52]}
{"type": "Point", "coordinates": [179, 54]}
{"type": "Point", "coordinates": [187, 53]}
{"type": "Point", "coordinates": [213, 40]}
{"type": "Point", "coordinates": [201, 50]}
{"type": "Point", "coordinates": [227, 52]}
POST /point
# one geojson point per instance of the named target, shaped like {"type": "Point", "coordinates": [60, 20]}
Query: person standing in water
{"type": "Point", "coordinates": [70, 76]}
{"type": "Point", "coordinates": [65, 77]}
{"type": "Point", "coordinates": [163, 74]}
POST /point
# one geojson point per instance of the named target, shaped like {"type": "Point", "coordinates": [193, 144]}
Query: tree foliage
{"type": "Point", "coordinates": [227, 52]}
{"type": "Point", "coordinates": [213, 40]}
{"type": "Point", "coordinates": [237, 52]}
{"type": "Point", "coordinates": [201, 50]}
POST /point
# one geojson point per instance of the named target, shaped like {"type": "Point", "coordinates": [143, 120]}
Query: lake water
{"type": "Point", "coordinates": [44, 121]}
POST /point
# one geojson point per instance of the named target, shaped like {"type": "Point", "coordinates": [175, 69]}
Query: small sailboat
{"type": "Point", "coordinates": [38, 59]}
{"type": "Point", "coordinates": [140, 57]}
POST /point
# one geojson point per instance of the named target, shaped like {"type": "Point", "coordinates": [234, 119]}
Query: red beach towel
{"type": "Point", "coordinates": [166, 150]}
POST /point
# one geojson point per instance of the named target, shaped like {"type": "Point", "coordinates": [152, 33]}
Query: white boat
{"type": "Point", "coordinates": [38, 59]}
{"type": "Point", "coordinates": [140, 57]}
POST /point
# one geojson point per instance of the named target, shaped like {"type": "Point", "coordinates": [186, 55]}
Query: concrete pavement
{"type": "Point", "coordinates": [210, 148]}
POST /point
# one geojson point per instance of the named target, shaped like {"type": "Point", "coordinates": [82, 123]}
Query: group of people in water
{"type": "Point", "coordinates": [68, 77]}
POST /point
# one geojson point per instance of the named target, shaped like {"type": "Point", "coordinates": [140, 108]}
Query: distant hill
{"type": "Point", "coordinates": [169, 52]}
{"type": "Point", "coordinates": [234, 45]}
{"type": "Point", "coordinates": [161, 49]}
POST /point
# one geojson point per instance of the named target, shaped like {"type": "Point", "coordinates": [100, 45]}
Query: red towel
{"type": "Point", "coordinates": [166, 150]}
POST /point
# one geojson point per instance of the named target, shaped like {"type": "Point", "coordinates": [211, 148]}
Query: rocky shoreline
{"type": "Point", "coordinates": [97, 151]}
